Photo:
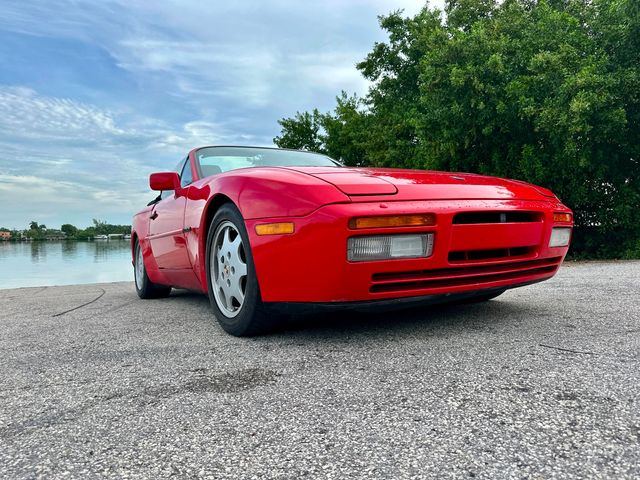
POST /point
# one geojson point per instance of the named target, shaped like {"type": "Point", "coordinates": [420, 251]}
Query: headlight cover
{"type": "Point", "coordinates": [389, 247]}
{"type": "Point", "coordinates": [560, 237]}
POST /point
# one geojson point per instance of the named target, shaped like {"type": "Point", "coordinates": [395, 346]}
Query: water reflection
{"type": "Point", "coordinates": [69, 250]}
{"type": "Point", "coordinates": [25, 264]}
{"type": "Point", "coordinates": [38, 252]}
{"type": "Point", "coordinates": [104, 250]}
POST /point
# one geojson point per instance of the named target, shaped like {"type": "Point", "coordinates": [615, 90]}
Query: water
{"type": "Point", "coordinates": [34, 264]}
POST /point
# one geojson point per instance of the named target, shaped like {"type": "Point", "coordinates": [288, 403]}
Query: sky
{"type": "Point", "coordinates": [96, 95]}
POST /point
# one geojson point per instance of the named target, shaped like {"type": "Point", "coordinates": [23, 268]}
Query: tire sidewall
{"type": "Point", "coordinates": [142, 292]}
{"type": "Point", "coordinates": [149, 289]}
{"type": "Point", "coordinates": [241, 323]}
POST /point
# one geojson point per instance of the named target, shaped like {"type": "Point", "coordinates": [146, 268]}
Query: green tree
{"type": "Point", "coordinates": [69, 230]}
{"type": "Point", "coordinates": [86, 233]}
{"type": "Point", "coordinates": [301, 132]}
{"type": "Point", "coordinates": [547, 91]}
{"type": "Point", "coordinates": [35, 234]}
{"type": "Point", "coordinates": [340, 134]}
{"type": "Point", "coordinates": [101, 227]}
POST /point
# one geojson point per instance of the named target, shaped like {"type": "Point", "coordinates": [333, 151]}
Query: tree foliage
{"type": "Point", "coordinates": [100, 227]}
{"type": "Point", "coordinates": [340, 134]}
{"type": "Point", "coordinates": [69, 230]}
{"type": "Point", "coordinates": [546, 91]}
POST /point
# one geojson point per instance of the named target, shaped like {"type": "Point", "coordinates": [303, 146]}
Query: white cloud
{"type": "Point", "coordinates": [69, 126]}
{"type": "Point", "coordinates": [199, 133]}
{"type": "Point", "coordinates": [335, 70]}
{"type": "Point", "coordinates": [205, 69]}
{"type": "Point", "coordinates": [64, 161]}
{"type": "Point", "coordinates": [25, 114]}
{"type": "Point", "coordinates": [43, 199]}
{"type": "Point", "coordinates": [189, 73]}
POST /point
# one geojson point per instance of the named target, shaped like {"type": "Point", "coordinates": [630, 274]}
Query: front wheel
{"type": "Point", "coordinates": [145, 288]}
{"type": "Point", "coordinates": [231, 277]}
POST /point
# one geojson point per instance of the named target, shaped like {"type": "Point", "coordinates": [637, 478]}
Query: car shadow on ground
{"type": "Point", "coordinates": [409, 321]}
{"type": "Point", "coordinates": [481, 316]}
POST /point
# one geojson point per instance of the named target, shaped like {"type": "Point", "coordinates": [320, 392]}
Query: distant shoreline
{"type": "Point", "coordinates": [40, 240]}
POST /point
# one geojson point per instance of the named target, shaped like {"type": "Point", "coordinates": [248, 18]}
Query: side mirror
{"type": "Point", "coordinates": [164, 181]}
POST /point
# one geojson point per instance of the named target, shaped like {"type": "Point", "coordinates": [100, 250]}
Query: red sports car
{"type": "Point", "coordinates": [264, 231]}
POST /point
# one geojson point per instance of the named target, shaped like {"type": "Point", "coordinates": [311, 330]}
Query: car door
{"type": "Point", "coordinates": [166, 224]}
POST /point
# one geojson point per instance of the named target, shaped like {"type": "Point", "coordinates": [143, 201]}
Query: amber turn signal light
{"type": "Point", "coordinates": [422, 220]}
{"type": "Point", "coordinates": [562, 217]}
{"type": "Point", "coordinates": [275, 228]}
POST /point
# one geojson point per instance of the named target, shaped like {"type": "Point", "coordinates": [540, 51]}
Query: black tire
{"type": "Point", "coordinates": [252, 317]}
{"type": "Point", "coordinates": [145, 288]}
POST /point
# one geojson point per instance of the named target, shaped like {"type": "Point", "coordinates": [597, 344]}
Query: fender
{"type": "Point", "coordinates": [258, 193]}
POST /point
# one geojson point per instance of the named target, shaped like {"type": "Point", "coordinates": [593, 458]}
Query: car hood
{"type": "Point", "coordinates": [400, 184]}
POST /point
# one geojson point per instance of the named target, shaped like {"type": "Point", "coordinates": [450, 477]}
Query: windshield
{"type": "Point", "coordinates": [213, 160]}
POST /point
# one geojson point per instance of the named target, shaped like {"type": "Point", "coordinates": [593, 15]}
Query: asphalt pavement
{"type": "Point", "coordinates": [542, 382]}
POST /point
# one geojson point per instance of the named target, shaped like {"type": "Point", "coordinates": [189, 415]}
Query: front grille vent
{"type": "Point", "coordinates": [466, 218]}
{"type": "Point", "coordinates": [493, 254]}
{"type": "Point", "coordinates": [425, 280]}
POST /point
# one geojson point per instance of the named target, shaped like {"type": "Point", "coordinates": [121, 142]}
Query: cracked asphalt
{"type": "Point", "coordinates": [542, 382]}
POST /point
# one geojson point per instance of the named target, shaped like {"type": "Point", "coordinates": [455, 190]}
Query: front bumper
{"type": "Point", "coordinates": [311, 264]}
{"type": "Point", "coordinates": [391, 304]}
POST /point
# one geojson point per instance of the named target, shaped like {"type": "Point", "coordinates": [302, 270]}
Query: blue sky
{"type": "Point", "coordinates": [95, 95]}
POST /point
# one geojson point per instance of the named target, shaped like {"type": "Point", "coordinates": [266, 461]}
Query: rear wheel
{"type": "Point", "coordinates": [145, 288]}
{"type": "Point", "coordinates": [233, 287]}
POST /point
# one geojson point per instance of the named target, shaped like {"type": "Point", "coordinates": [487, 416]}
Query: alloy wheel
{"type": "Point", "coordinates": [228, 269]}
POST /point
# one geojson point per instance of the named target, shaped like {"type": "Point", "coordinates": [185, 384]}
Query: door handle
{"type": "Point", "coordinates": [154, 215]}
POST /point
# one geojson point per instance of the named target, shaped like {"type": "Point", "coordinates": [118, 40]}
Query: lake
{"type": "Point", "coordinates": [34, 264]}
